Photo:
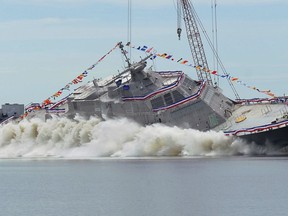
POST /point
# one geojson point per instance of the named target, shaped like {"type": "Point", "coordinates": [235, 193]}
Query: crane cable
{"type": "Point", "coordinates": [214, 35]}
{"type": "Point", "coordinates": [214, 51]}
{"type": "Point", "coordinates": [179, 16]}
{"type": "Point", "coordinates": [216, 32]}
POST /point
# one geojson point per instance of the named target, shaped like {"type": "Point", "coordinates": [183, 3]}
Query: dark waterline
{"type": "Point", "coordinates": [250, 186]}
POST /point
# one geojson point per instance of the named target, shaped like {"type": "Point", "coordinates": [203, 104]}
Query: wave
{"type": "Point", "coordinates": [81, 138]}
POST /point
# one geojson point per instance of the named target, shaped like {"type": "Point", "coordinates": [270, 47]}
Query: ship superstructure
{"type": "Point", "coordinates": [168, 97]}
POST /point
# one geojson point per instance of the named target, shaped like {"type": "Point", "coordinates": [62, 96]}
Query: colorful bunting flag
{"type": "Point", "coordinates": [149, 50]}
{"type": "Point", "coordinates": [144, 48]}
{"type": "Point", "coordinates": [199, 67]}
{"type": "Point", "coordinates": [78, 79]}
{"type": "Point", "coordinates": [184, 62]}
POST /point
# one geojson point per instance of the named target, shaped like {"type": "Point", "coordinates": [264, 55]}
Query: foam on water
{"type": "Point", "coordinates": [80, 138]}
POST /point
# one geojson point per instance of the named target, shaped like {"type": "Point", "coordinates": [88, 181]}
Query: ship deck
{"type": "Point", "coordinates": [255, 115]}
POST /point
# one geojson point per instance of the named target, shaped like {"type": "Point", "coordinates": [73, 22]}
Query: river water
{"type": "Point", "coordinates": [85, 167]}
{"type": "Point", "coordinates": [200, 186]}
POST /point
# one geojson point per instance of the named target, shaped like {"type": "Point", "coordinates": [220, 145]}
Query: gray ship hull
{"type": "Point", "coordinates": [275, 139]}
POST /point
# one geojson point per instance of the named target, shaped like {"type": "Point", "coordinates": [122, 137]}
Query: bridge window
{"type": "Point", "coordinates": [157, 102]}
{"type": "Point", "coordinates": [177, 96]}
{"type": "Point", "coordinates": [168, 99]}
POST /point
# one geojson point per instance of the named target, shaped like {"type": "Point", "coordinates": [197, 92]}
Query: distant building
{"type": "Point", "coordinates": [9, 110]}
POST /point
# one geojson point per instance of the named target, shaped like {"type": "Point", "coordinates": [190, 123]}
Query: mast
{"type": "Point", "coordinates": [121, 46]}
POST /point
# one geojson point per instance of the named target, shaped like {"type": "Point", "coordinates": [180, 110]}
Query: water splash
{"type": "Point", "coordinates": [80, 138]}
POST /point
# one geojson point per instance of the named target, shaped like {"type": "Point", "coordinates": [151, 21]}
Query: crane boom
{"type": "Point", "coordinates": [196, 46]}
{"type": "Point", "coordinates": [194, 39]}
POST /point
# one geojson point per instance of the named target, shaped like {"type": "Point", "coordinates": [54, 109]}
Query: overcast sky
{"type": "Point", "coordinates": [44, 44]}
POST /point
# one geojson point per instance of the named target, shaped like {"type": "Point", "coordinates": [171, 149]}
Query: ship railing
{"type": "Point", "coordinates": [31, 106]}
{"type": "Point", "coordinates": [60, 102]}
{"type": "Point", "coordinates": [124, 77]}
{"type": "Point", "coordinates": [166, 74]}
{"type": "Point", "coordinates": [266, 110]}
{"type": "Point", "coordinates": [261, 128]}
{"type": "Point", "coordinates": [284, 112]}
{"type": "Point", "coordinates": [7, 120]}
{"type": "Point", "coordinates": [276, 100]}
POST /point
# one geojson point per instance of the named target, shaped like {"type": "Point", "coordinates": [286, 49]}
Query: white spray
{"type": "Point", "coordinates": [80, 138]}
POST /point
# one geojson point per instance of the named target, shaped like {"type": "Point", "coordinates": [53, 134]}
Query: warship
{"type": "Point", "coordinates": [174, 99]}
